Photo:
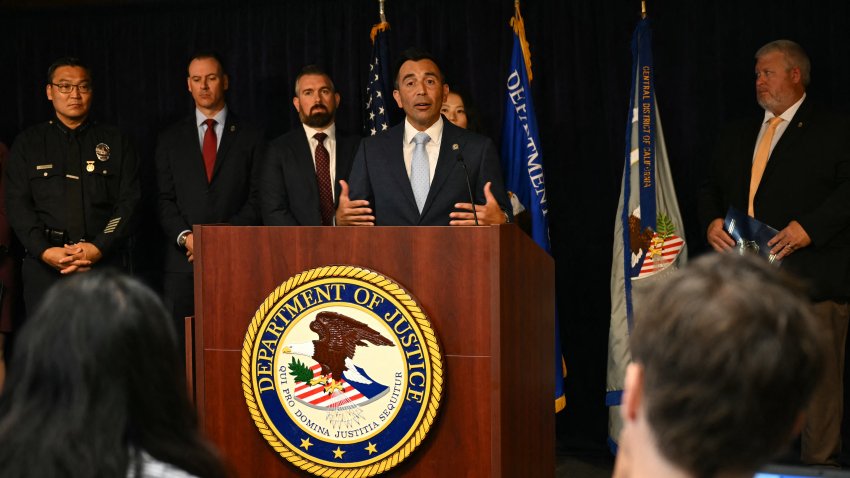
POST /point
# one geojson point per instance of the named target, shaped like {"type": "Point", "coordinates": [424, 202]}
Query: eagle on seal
{"type": "Point", "coordinates": [339, 337]}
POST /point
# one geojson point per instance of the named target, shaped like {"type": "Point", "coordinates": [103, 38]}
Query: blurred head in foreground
{"type": "Point", "coordinates": [725, 358]}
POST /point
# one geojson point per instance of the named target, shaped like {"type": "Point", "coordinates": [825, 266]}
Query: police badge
{"type": "Point", "coordinates": [102, 151]}
{"type": "Point", "coordinates": [342, 372]}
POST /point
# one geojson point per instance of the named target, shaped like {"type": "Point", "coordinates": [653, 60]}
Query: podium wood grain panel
{"type": "Point", "coordinates": [489, 292]}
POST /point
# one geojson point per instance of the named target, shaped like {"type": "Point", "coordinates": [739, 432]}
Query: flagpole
{"type": "Point", "coordinates": [382, 25]}
{"type": "Point", "coordinates": [377, 117]}
{"type": "Point", "coordinates": [519, 28]}
{"type": "Point", "coordinates": [642, 8]}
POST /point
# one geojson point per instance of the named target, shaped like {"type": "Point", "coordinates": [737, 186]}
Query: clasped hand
{"type": "Point", "coordinates": [72, 258]}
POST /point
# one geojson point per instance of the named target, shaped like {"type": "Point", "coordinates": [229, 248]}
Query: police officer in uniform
{"type": "Point", "coordinates": [72, 187]}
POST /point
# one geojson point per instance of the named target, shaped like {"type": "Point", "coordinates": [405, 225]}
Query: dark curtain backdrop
{"type": "Point", "coordinates": [581, 60]}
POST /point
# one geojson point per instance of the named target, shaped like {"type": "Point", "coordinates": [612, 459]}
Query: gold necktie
{"type": "Point", "coordinates": [760, 161]}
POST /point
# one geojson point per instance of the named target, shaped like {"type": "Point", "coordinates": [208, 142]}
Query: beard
{"type": "Point", "coordinates": [772, 102]}
{"type": "Point", "coordinates": [317, 119]}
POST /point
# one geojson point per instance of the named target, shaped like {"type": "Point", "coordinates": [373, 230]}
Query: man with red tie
{"type": "Point", "coordinates": [208, 167]}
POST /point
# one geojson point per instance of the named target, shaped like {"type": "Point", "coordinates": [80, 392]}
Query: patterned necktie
{"type": "Point", "coordinates": [323, 179]}
{"type": "Point", "coordinates": [420, 170]}
{"type": "Point", "coordinates": [760, 161]}
{"type": "Point", "coordinates": [210, 147]}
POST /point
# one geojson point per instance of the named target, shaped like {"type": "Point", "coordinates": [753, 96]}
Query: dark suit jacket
{"type": "Point", "coordinates": [289, 195]}
{"type": "Point", "coordinates": [185, 198]}
{"type": "Point", "coordinates": [379, 176]}
{"type": "Point", "coordinates": [807, 179]}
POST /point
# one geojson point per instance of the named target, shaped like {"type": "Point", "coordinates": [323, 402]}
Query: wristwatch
{"type": "Point", "coordinates": [507, 217]}
{"type": "Point", "coordinates": [181, 239]}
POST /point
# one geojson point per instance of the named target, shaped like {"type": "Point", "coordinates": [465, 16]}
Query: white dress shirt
{"type": "Point", "coordinates": [787, 116]}
{"type": "Point", "coordinates": [432, 147]}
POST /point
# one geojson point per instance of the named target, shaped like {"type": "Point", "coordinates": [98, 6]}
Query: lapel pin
{"type": "Point", "coordinates": [455, 147]}
{"type": "Point", "coordinates": [232, 128]}
{"type": "Point", "coordinates": [800, 124]}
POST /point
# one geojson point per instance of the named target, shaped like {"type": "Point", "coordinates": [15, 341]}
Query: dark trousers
{"type": "Point", "coordinates": [179, 298]}
{"type": "Point", "coordinates": [37, 277]}
{"type": "Point", "coordinates": [821, 437]}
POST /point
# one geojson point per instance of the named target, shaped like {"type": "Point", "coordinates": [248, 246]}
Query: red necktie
{"type": "Point", "coordinates": [323, 178]}
{"type": "Point", "coordinates": [210, 146]}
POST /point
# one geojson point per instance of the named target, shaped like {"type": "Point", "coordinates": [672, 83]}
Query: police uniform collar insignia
{"type": "Point", "coordinates": [102, 152]}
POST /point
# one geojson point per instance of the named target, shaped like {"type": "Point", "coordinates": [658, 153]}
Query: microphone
{"type": "Point", "coordinates": [468, 187]}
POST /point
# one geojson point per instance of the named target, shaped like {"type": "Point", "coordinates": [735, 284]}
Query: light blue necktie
{"type": "Point", "coordinates": [420, 170]}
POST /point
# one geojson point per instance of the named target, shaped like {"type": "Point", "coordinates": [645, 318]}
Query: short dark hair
{"type": "Point", "coordinates": [731, 353]}
{"type": "Point", "coordinates": [202, 54]}
{"type": "Point", "coordinates": [314, 70]}
{"type": "Point", "coordinates": [98, 365]}
{"type": "Point", "coordinates": [414, 54]}
{"type": "Point", "coordinates": [66, 61]}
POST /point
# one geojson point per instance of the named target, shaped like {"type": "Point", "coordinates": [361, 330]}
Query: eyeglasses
{"type": "Point", "coordinates": [66, 88]}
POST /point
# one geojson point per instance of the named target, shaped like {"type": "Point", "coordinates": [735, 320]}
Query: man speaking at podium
{"type": "Point", "coordinates": [415, 174]}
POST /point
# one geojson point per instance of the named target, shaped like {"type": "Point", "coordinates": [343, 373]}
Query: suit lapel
{"type": "Point", "coordinates": [747, 147]}
{"type": "Point", "coordinates": [793, 132]}
{"type": "Point", "coordinates": [228, 137]}
{"type": "Point", "coordinates": [346, 148]}
{"type": "Point", "coordinates": [394, 150]}
{"type": "Point", "coordinates": [194, 157]}
{"type": "Point", "coordinates": [305, 168]}
{"type": "Point", "coordinates": [446, 162]}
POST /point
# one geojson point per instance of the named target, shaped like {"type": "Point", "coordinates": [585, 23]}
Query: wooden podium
{"type": "Point", "coordinates": [488, 291]}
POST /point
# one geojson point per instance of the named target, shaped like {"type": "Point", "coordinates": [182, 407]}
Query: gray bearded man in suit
{"type": "Point", "coordinates": [790, 168]}
{"type": "Point", "coordinates": [208, 166]}
{"type": "Point", "coordinates": [412, 175]}
{"type": "Point", "coordinates": [301, 174]}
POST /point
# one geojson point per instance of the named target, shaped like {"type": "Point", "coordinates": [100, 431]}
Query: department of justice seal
{"type": "Point", "coordinates": [102, 151]}
{"type": "Point", "coordinates": [342, 371]}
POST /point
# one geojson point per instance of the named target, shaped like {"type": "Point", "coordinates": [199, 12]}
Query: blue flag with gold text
{"type": "Point", "coordinates": [522, 163]}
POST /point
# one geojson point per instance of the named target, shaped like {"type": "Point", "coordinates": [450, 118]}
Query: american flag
{"type": "Point", "coordinates": [377, 119]}
{"type": "Point", "coordinates": [315, 395]}
{"type": "Point", "coordinates": [662, 253]}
